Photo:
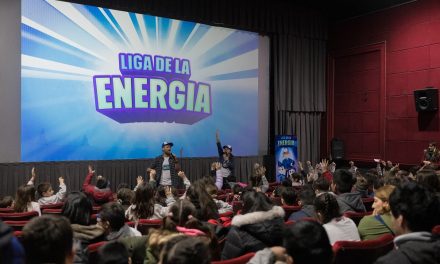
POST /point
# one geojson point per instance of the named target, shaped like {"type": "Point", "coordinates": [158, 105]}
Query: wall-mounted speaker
{"type": "Point", "coordinates": [426, 100]}
{"type": "Point", "coordinates": [337, 149]}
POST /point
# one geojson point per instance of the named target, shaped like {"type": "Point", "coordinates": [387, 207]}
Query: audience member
{"type": "Point", "coordinates": [306, 201]}
{"type": "Point", "coordinates": [415, 212]}
{"type": "Point", "coordinates": [125, 197]}
{"type": "Point", "coordinates": [222, 206]}
{"type": "Point", "coordinates": [25, 200]}
{"type": "Point", "coordinates": [144, 205]}
{"type": "Point", "coordinates": [7, 202]}
{"type": "Point", "coordinates": [112, 219]}
{"type": "Point", "coordinates": [205, 205]}
{"type": "Point", "coordinates": [342, 185]}
{"type": "Point", "coordinates": [78, 209]}
{"type": "Point", "coordinates": [260, 225]}
{"type": "Point", "coordinates": [100, 193]}
{"type": "Point", "coordinates": [258, 180]}
{"type": "Point", "coordinates": [373, 226]}
{"type": "Point", "coordinates": [288, 196]}
{"type": "Point", "coordinates": [11, 250]}
{"type": "Point", "coordinates": [338, 227]}
{"type": "Point", "coordinates": [45, 192]}
{"type": "Point", "coordinates": [188, 251]}
{"type": "Point", "coordinates": [113, 252]}
{"type": "Point", "coordinates": [305, 242]}
{"type": "Point", "coordinates": [321, 185]}
{"type": "Point", "coordinates": [48, 239]}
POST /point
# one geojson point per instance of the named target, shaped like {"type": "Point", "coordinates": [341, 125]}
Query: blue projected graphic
{"type": "Point", "coordinates": [100, 84]}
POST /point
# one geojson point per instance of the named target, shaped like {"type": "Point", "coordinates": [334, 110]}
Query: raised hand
{"type": "Point", "coordinates": [33, 174]}
{"type": "Point", "coordinates": [139, 180]}
{"type": "Point", "coordinates": [61, 180]}
{"type": "Point", "coordinates": [181, 174]}
{"type": "Point", "coordinates": [217, 165]}
{"type": "Point", "coordinates": [324, 165]}
{"type": "Point", "coordinates": [152, 174]}
{"type": "Point", "coordinates": [300, 166]}
{"type": "Point", "coordinates": [91, 169]}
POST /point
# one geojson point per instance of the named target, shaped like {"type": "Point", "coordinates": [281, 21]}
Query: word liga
{"type": "Point", "coordinates": [152, 89]}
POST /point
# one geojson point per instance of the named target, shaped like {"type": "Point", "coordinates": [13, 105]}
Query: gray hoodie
{"type": "Point", "coordinates": [350, 202]}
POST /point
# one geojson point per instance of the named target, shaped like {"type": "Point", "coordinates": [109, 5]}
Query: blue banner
{"type": "Point", "coordinates": [286, 153]}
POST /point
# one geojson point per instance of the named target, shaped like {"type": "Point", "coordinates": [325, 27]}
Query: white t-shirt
{"type": "Point", "coordinates": [165, 178]}
{"type": "Point", "coordinates": [344, 229]}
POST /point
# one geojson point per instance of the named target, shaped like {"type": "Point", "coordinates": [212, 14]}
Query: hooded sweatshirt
{"type": "Point", "coordinates": [350, 202]}
{"type": "Point", "coordinates": [412, 248]}
{"type": "Point", "coordinates": [254, 231]}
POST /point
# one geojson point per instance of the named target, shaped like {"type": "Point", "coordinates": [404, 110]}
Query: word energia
{"type": "Point", "coordinates": [152, 89]}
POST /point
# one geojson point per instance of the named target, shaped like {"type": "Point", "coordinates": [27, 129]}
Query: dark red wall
{"type": "Point", "coordinates": [411, 33]}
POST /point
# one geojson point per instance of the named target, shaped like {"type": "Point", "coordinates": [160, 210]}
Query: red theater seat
{"type": "Point", "coordinates": [93, 251]}
{"type": "Point", "coordinates": [356, 217]}
{"type": "Point", "coordinates": [55, 211]}
{"type": "Point", "coordinates": [52, 206]}
{"type": "Point", "coordinates": [16, 225]}
{"type": "Point", "coordinates": [239, 260]}
{"type": "Point", "coordinates": [362, 252]}
{"type": "Point", "coordinates": [18, 216]}
{"type": "Point", "coordinates": [289, 210]}
{"type": "Point", "coordinates": [368, 202]}
{"type": "Point", "coordinates": [6, 210]}
{"type": "Point", "coordinates": [227, 214]}
{"type": "Point", "coordinates": [144, 225]}
{"type": "Point", "coordinates": [436, 230]}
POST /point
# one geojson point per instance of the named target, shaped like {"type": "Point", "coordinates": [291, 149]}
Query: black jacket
{"type": "Point", "coordinates": [176, 181]}
{"type": "Point", "coordinates": [414, 248]}
{"type": "Point", "coordinates": [254, 231]}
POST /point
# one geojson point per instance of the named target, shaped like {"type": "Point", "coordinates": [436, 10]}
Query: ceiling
{"type": "Point", "coordinates": [338, 10]}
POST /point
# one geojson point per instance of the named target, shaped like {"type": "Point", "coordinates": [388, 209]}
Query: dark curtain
{"type": "Point", "coordinates": [116, 171]}
{"type": "Point", "coordinates": [299, 90]}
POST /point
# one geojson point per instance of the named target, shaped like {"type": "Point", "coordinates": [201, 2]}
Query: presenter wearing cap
{"type": "Point", "coordinates": [167, 169]}
{"type": "Point", "coordinates": [227, 160]}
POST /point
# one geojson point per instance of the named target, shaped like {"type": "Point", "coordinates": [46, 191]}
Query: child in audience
{"type": "Point", "coordinates": [321, 185]}
{"type": "Point", "coordinates": [205, 205]}
{"type": "Point", "coordinates": [100, 193]}
{"type": "Point", "coordinates": [11, 250]}
{"type": "Point", "coordinates": [7, 202]}
{"type": "Point", "coordinates": [373, 226]}
{"type": "Point", "coordinates": [125, 197]}
{"type": "Point", "coordinates": [222, 206]}
{"type": "Point", "coordinates": [237, 190]}
{"type": "Point", "coordinates": [305, 242]}
{"type": "Point", "coordinates": [288, 196]}
{"type": "Point", "coordinates": [112, 219]}
{"type": "Point", "coordinates": [415, 212]}
{"type": "Point", "coordinates": [258, 179]}
{"type": "Point", "coordinates": [260, 225]}
{"type": "Point", "coordinates": [188, 251]}
{"type": "Point", "coordinates": [113, 252]}
{"type": "Point", "coordinates": [48, 239]}
{"type": "Point", "coordinates": [25, 200]}
{"type": "Point", "coordinates": [342, 185]}
{"type": "Point", "coordinates": [144, 205]}
{"type": "Point", "coordinates": [46, 193]}
{"type": "Point", "coordinates": [338, 227]}
{"type": "Point", "coordinates": [179, 222]}
{"type": "Point", "coordinates": [306, 200]}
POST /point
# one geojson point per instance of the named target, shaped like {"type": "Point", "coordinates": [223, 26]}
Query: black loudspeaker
{"type": "Point", "coordinates": [337, 149]}
{"type": "Point", "coordinates": [426, 100]}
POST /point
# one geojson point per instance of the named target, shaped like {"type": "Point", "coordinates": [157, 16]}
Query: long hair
{"type": "Point", "coordinates": [77, 208]}
{"type": "Point", "coordinates": [24, 195]}
{"type": "Point", "coordinates": [144, 201]}
{"type": "Point", "coordinates": [254, 201]}
{"type": "Point", "coordinates": [205, 205]}
{"type": "Point", "coordinates": [327, 205]}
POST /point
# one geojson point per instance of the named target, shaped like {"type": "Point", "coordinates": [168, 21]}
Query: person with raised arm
{"type": "Point", "coordinates": [226, 158]}
{"type": "Point", "coordinates": [101, 192]}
